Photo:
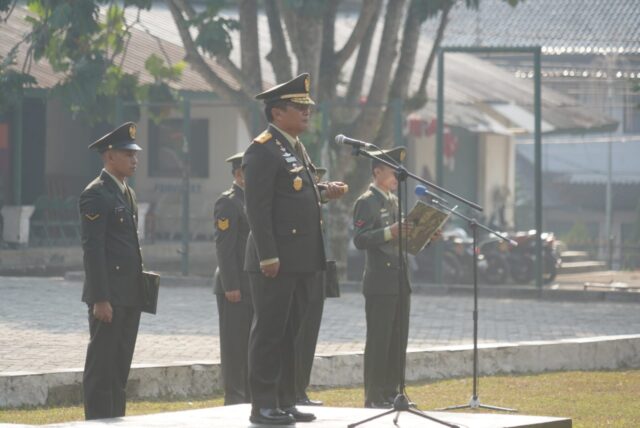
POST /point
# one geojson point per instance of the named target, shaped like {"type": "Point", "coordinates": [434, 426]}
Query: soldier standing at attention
{"type": "Point", "coordinates": [232, 287]}
{"type": "Point", "coordinates": [386, 299]}
{"type": "Point", "coordinates": [285, 251]}
{"type": "Point", "coordinates": [113, 269]}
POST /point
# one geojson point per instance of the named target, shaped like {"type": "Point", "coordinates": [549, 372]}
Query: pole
{"type": "Point", "coordinates": [17, 152]}
{"type": "Point", "coordinates": [440, 154]}
{"type": "Point", "coordinates": [538, 163]}
{"type": "Point", "coordinates": [186, 133]}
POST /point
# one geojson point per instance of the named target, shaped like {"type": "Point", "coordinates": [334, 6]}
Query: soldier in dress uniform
{"type": "Point", "coordinates": [386, 298]}
{"type": "Point", "coordinates": [113, 268]}
{"type": "Point", "coordinates": [285, 250]}
{"type": "Point", "coordinates": [233, 295]}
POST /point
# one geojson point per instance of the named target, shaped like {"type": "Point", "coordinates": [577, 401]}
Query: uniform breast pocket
{"type": "Point", "coordinates": [121, 218]}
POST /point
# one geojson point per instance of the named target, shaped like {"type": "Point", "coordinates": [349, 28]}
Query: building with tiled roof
{"type": "Point", "coordinates": [591, 52]}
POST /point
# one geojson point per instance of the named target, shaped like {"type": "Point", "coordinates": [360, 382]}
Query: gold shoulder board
{"type": "Point", "coordinates": [263, 138]}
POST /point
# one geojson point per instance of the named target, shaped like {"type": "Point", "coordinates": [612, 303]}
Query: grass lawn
{"type": "Point", "coordinates": [591, 399]}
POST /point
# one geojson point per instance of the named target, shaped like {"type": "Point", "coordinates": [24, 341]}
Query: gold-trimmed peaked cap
{"type": "Point", "coordinates": [235, 160]}
{"type": "Point", "coordinates": [121, 138]}
{"type": "Point", "coordinates": [397, 154]}
{"type": "Point", "coordinates": [295, 90]}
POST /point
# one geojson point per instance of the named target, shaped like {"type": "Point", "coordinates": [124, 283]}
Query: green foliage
{"type": "Point", "coordinates": [160, 72]}
{"type": "Point", "coordinates": [72, 38]}
{"type": "Point", "coordinates": [12, 82]}
{"type": "Point", "coordinates": [214, 36]}
{"type": "Point", "coordinates": [578, 235]}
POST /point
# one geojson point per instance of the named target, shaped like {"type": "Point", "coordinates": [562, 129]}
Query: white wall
{"type": "Point", "coordinates": [227, 136]}
{"type": "Point", "coordinates": [496, 168]}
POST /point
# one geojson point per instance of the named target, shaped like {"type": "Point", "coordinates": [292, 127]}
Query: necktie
{"type": "Point", "coordinates": [127, 193]}
{"type": "Point", "coordinates": [299, 150]}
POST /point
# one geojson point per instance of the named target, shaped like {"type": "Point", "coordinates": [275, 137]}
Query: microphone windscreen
{"type": "Point", "coordinates": [421, 190]}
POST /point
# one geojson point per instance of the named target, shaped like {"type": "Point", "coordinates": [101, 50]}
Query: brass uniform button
{"type": "Point", "coordinates": [388, 264]}
{"type": "Point", "coordinates": [121, 220]}
{"type": "Point", "coordinates": [294, 231]}
{"type": "Point", "coordinates": [117, 267]}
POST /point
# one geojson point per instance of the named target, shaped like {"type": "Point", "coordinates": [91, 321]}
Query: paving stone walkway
{"type": "Point", "coordinates": [43, 325]}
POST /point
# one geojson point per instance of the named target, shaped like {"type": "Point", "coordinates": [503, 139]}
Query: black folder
{"type": "Point", "coordinates": [150, 289]}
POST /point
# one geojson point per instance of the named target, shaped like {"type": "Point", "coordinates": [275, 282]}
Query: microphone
{"type": "Point", "coordinates": [423, 191]}
{"type": "Point", "coordinates": [356, 144]}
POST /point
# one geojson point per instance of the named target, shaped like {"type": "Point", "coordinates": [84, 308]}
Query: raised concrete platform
{"type": "Point", "coordinates": [197, 379]}
{"type": "Point", "coordinates": [328, 417]}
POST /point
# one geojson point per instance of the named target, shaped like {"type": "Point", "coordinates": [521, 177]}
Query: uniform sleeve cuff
{"type": "Point", "coordinates": [269, 261]}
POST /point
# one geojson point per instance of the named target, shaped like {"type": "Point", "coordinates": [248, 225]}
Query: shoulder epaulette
{"type": "Point", "coordinates": [228, 192]}
{"type": "Point", "coordinates": [98, 182]}
{"type": "Point", "coordinates": [263, 138]}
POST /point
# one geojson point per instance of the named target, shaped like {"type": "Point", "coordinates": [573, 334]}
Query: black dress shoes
{"type": "Point", "coordinates": [299, 416]}
{"type": "Point", "coordinates": [271, 417]}
{"type": "Point", "coordinates": [378, 404]}
{"type": "Point", "coordinates": [306, 401]}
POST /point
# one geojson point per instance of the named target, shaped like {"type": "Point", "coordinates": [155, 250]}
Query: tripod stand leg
{"type": "Point", "coordinates": [474, 403]}
{"type": "Point", "coordinates": [371, 418]}
{"type": "Point", "coordinates": [503, 409]}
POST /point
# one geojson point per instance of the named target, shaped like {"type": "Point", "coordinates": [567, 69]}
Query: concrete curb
{"type": "Point", "coordinates": [192, 379]}
{"type": "Point", "coordinates": [484, 290]}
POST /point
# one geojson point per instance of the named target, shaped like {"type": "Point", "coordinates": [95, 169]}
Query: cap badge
{"type": "Point", "coordinates": [297, 183]}
{"type": "Point", "coordinates": [132, 132]}
{"type": "Point", "coordinates": [307, 84]}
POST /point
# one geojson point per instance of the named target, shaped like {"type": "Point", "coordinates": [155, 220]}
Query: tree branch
{"type": "Point", "coordinates": [421, 92]}
{"type": "Point", "coordinates": [368, 16]}
{"type": "Point", "coordinates": [198, 63]}
{"type": "Point", "coordinates": [400, 85]}
{"type": "Point", "coordinates": [328, 77]}
{"type": "Point", "coordinates": [367, 124]}
{"type": "Point", "coordinates": [354, 91]}
{"type": "Point", "coordinates": [278, 56]}
{"type": "Point", "coordinates": [249, 46]}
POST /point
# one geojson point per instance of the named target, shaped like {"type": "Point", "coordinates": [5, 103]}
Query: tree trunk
{"type": "Point", "coordinates": [278, 56]}
{"type": "Point", "coordinates": [249, 46]}
{"type": "Point", "coordinates": [400, 85]}
{"type": "Point", "coordinates": [367, 124]}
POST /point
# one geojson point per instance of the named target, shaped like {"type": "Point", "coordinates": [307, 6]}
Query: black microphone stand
{"type": "Point", "coordinates": [400, 403]}
{"type": "Point", "coordinates": [474, 402]}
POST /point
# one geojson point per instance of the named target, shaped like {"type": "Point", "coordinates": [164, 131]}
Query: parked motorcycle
{"type": "Point", "coordinates": [503, 260]}
{"type": "Point", "coordinates": [457, 258]}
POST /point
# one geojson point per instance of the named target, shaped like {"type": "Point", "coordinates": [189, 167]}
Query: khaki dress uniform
{"type": "Point", "coordinates": [387, 303]}
{"type": "Point", "coordinates": [234, 319]}
{"type": "Point", "coordinates": [113, 267]}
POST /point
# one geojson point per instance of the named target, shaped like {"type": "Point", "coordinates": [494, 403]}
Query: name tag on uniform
{"type": "Point", "coordinates": [119, 210]}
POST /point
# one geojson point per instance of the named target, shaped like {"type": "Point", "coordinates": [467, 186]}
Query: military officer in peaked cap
{"type": "Point", "coordinates": [285, 250]}
{"type": "Point", "coordinates": [233, 295]}
{"type": "Point", "coordinates": [386, 298]}
{"type": "Point", "coordinates": [113, 267]}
